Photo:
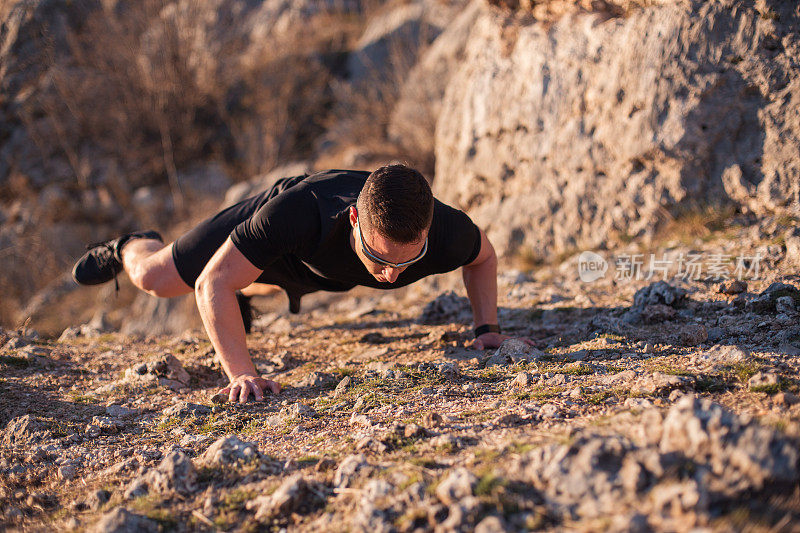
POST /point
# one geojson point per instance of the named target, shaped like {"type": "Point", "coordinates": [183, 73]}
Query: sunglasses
{"type": "Point", "coordinates": [383, 261]}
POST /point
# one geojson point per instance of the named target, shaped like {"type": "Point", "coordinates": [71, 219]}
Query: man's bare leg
{"type": "Point", "coordinates": [150, 267]}
{"type": "Point", "coordinates": [260, 289]}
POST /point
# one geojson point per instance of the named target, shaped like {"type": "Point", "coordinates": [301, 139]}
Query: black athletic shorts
{"type": "Point", "coordinates": [194, 249]}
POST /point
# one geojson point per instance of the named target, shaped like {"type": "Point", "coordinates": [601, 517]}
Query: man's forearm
{"type": "Point", "coordinates": [480, 280]}
{"type": "Point", "coordinates": [225, 328]}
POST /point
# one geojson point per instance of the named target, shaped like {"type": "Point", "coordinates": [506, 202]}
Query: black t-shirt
{"type": "Point", "coordinates": [301, 238]}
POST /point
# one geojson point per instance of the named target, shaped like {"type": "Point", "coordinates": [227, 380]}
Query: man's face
{"type": "Point", "coordinates": [382, 248]}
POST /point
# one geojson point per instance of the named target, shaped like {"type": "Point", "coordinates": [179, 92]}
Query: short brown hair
{"type": "Point", "coordinates": [396, 201]}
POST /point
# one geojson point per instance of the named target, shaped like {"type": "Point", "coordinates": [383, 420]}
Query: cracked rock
{"type": "Point", "coordinates": [342, 387]}
{"type": "Point", "coordinates": [186, 409]}
{"type": "Point", "coordinates": [659, 384]}
{"type": "Point", "coordinates": [175, 473]}
{"type": "Point", "coordinates": [458, 484]}
{"type": "Point", "coordinates": [24, 430]}
{"type": "Point", "coordinates": [767, 300]}
{"type": "Point", "coordinates": [447, 307]}
{"type": "Point", "coordinates": [228, 450]}
{"type": "Point", "coordinates": [297, 411]}
{"type": "Point", "coordinates": [659, 292]}
{"type": "Point", "coordinates": [295, 495]}
{"type": "Point", "coordinates": [318, 380]}
{"type": "Point", "coordinates": [523, 380]}
{"type": "Point", "coordinates": [514, 351]}
{"type": "Point", "coordinates": [120, 520]}
{"type": "Point", "coordinates": [348, 470]}
{"type": "Point", "coordinates": [763, 380]}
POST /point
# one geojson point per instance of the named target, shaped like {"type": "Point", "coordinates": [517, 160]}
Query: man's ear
{"type": "Point", "coordinates": [353, 216]}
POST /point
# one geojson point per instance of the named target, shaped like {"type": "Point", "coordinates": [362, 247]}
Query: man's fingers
{"type": "Point", "coordinates": [244, 392]}
{"type": "Point", "coordinates": [257, 394]}
{"type": "Point", "coordinates": [274, 387]}
{"type": "Point", "coordinates": [477, 344]}
{"type": "Point", "coordinates": [234, 392]}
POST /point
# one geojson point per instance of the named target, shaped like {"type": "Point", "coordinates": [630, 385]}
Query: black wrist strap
{"type": "Point", "coordinates": [486, 328]}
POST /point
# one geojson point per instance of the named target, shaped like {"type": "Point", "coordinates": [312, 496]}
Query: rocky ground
{"type": "Point", "coordinates": [661, 403]}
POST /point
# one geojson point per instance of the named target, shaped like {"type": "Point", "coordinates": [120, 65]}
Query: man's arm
{"type": "Point", "coordinates": [226, 272]}
{"type": "Point", "coordinates": [480, 280]}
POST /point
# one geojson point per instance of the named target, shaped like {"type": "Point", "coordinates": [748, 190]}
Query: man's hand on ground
{"type": "Point", "coordinates": [494, 340]}
{"type": "Point", "coordinates": [242, 386]}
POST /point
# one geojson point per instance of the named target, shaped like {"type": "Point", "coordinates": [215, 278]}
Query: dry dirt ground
{"type": "Point", "coordinates": [673, 408]}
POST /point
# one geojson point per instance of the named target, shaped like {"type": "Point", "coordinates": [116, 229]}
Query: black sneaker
{"type": "Point", "coordinates": [246, 309]}
{"type": "Point", "coordinates": [103, 261]}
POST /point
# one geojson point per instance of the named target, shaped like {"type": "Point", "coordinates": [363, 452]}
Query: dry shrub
{"type": "Point", "coordinates": [158, 86]}
{"type": "Point", "coordinates": [547, 10]}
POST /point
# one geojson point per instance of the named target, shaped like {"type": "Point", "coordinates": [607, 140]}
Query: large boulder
{"type": "Point", "coordinates": [413, 121]}
{"type": "Point", "coordinates": [556, 135]}
{"type": "Point", "coordinates": [393, 37]}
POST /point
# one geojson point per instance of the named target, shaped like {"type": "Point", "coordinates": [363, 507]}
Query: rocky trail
{"type": "Point", "coordinates": [665, 403]}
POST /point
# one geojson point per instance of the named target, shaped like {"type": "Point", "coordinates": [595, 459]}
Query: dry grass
{"type": "Point", "coordinates": [158, 89]}
{"type": "Point", "coordinates": [545, 10]}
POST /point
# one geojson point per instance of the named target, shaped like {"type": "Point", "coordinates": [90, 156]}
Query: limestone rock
{"type": "Point", "coordinates": [348, 469]}
{"type": "Point", "coordinates": [746, 455]}
{"type": "Point", "coordinates": [186, 409]}
{"type": "Point", "coordinates": [392, 39]}
{"type": "Point", "coordinates": [297, 411]}
{"type": "Point", "coordinates": [341, 388]}
{"type": "Point", "coordinates": [658, 384]}
{"type": "Point", "coordinates": [318, 380]}
{"type": "Point", "coordinates": [175, 473]}
{"type": "Point", "coordinates": [721, 355]}
{"type": "Point", "coordinates": [103, 425]}
{"type": "Point", "coordinates": [227, 451]}
{"type": "Point", "coordinates": [462, 514]}
{"type": "Point", "coordinates": [458, 484]}
{"type": "Point", "coordinates": [295, 495]}
{"type": "Point", "coordinates": [447, 307]}
{"type": "Point", "coordinates": [786, 399]}
{"type": "Point", "coordinates": [24, 430]}
{"type": "Point", "coordinates": [523, 380]}
{"type": "Point", "coordinates": [492, 524]}
{"type": "Point", "coordinates": [531, 144]}
{"type": "Point", "coordinates": [418, 107]}
{"type": "Point", "coordinates": [514, 351]}
{"type": "Point", "coordinates": [120, 520]}
{"type": "Point", "coordinates": [97, 498]}
{"type": "Point", "coordinates": [67, 472]}
{"type": "Point", "coordinates": [763, 380]}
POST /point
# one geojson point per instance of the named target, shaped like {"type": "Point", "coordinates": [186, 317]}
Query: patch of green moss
{"type": "Point", "coordinates": [521, 447]}
{"type": "Point", "coordinates": [573, 370]}
{"type": "Point", "coordinates": [488, 483]}
{"type": "Point", "coordinates": [81, 398]}
{"type": "Point", "coordinates": [598, 398]}
{"type": "Point", "coordinates": [744, 371]}
{"type": "Point", "coordinates": [768, 389]}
